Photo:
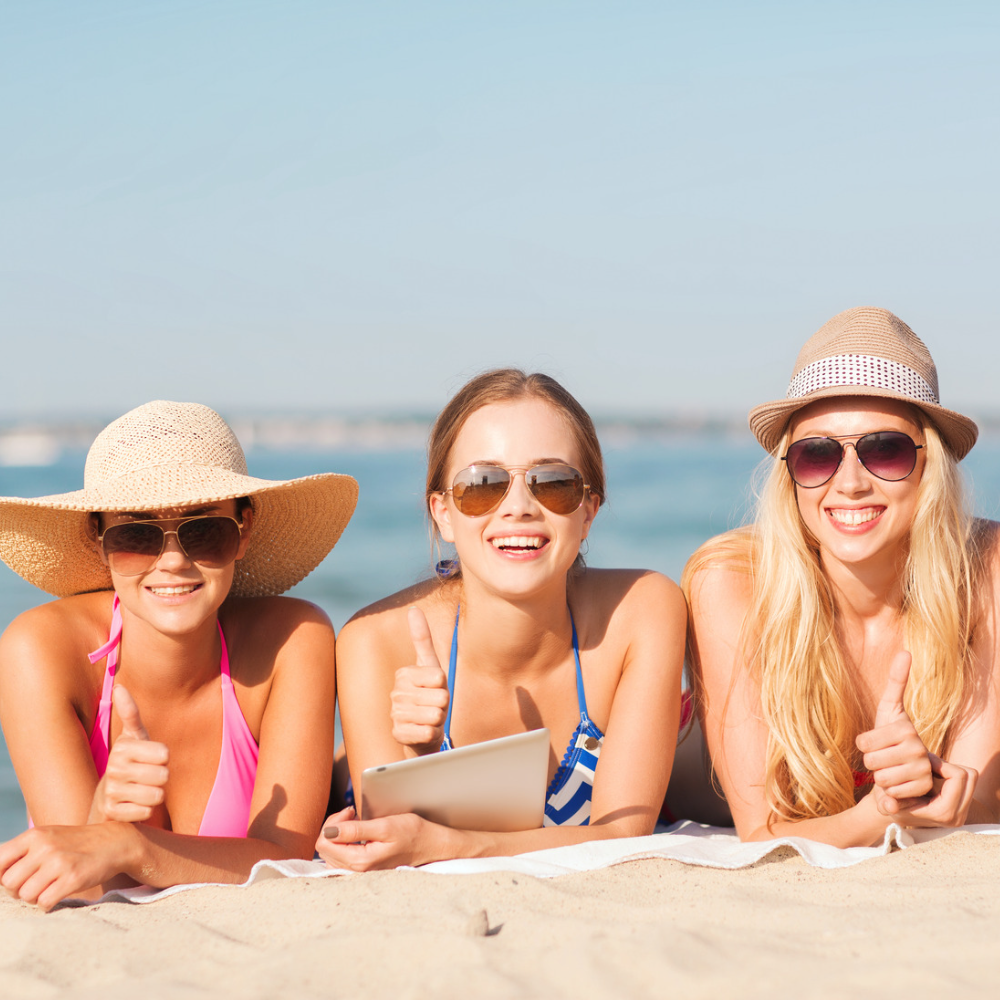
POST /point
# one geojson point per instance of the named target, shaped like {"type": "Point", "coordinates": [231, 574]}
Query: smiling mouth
{"type": "Point", "coordinates": [518, 543]}
{"type": "Point", "coordinates": [174, 591]}
{"type": "Point", "coordinates": [853, 518]}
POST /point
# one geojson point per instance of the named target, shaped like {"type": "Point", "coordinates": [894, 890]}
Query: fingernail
{"type": "Point", "coordinates": [331, 832]}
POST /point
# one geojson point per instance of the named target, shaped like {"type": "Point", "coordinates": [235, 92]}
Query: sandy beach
{"type": "Point", "coordinates": [923, 922]}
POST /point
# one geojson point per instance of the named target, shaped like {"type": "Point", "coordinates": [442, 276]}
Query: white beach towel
{"type": "Point", "coordinates": [690, 843]}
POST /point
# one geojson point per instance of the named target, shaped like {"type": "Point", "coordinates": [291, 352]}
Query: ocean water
{"type": "Point", "coordinates": [664, 500]}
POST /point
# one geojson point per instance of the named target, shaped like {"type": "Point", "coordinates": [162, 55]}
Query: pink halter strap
{"type": "Point", "coordinates": [227, 812]}
{"type": "Point", "coordinates": [113, 639]}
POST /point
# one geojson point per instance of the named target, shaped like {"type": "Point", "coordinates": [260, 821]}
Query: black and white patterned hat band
{"type": "Point", "coordinates": [861, 370]}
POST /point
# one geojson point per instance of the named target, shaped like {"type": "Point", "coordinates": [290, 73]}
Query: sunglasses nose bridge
{"type": "Point", "coordinates": [520, 496]}
{"type": "Point", "coordinates": [172, 545]}
{"type": "Point", "coordinates": [851, 474]}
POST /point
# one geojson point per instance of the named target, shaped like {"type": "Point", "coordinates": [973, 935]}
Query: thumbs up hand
{"type": "Point", "coordinates": [128, 712]}
{"type": "Point", "coordinates": [134, 783]}
{"type": "Point", "coordinates": [420, 694]}
{"type": "Point", "coordinates": [901, 767]}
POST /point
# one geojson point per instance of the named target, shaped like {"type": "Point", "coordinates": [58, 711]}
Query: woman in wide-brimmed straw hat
{"type": "Point", "coordinates": [845, 645]}
{"type": "Point", "coordinates": [169, 719]}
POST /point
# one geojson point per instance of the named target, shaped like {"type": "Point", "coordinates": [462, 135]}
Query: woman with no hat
{"type": "Point", "coordinates": [845, 645]}
{"type": "Point", "coordinates": [515, 479]}
{"type": "Point", "coordinates": [169, 718]}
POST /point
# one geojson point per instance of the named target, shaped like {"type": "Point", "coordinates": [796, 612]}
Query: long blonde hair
{"type": "Point", "coordinates": [790, 640]}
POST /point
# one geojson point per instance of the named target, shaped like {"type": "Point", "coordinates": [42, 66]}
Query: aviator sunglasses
{"type": "Point", "coordinates": [133, 547]}
{"type": "Point", "coordinates": [888, 455]}
{"type": "Point", "coordinates": [479, 489]}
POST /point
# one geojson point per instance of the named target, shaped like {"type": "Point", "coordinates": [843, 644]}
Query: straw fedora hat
{"type": "Point", "coordinates": [166, 454]}
{"type": "Point", "coordinates": [864, 352]}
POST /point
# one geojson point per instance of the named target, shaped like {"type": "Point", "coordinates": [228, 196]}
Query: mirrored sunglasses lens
{"type": "Point", "coordinates": [478, 489]}
{"type": "Point", "coordinates": [559, 488]}
{"type": "Point", "coordinates": [210, 541]}
{"type": "Point", "coordinates": [812, 461]}
{"type": "Point", "coordinates": [890, 455]}
{"type": "Point", "coordinates": [131, 549]}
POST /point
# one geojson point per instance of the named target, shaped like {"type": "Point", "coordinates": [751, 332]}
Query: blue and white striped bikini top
{"type": "Point", "coordinates": [567, 801]}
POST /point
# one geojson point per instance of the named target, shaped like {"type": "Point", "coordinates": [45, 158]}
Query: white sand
{"type": "Point", "coordinates": [924, 922]}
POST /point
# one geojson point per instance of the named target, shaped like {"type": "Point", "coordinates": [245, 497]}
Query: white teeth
{"type": "Point", "coordinates": [518, 542]}
{"type": "Point", "coordinates": [855, 517]}
{"type": "Point", "coordinates": [167, 591]}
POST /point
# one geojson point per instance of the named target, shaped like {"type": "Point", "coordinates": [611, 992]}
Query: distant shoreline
{"type": "Point", "coordinates": [34, 442]}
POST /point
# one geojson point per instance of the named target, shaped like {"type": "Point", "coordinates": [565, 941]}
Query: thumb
{"type": "Point", "coordinates": [890, 706]}
{"type": "Point", "coordinates": [128, 712]}
{"type": "Point", "coordinates": [421, 636]}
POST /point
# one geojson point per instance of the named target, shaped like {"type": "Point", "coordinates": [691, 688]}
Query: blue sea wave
{"type": "Point", "coordinates": [664, 500]}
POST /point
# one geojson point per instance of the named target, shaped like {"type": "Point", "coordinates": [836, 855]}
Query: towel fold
{"type": "Point", "coordinates": [690, 843]}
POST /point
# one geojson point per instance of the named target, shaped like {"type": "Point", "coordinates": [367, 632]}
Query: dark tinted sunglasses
{"type": "Point", "coordinates": [133, 547]}
{"type": "Point", "coordinates": [888, 455]}
{"type": "Point", "coordinates": [479, 489]}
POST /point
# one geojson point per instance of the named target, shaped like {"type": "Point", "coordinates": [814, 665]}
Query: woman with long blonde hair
{"type": "Point", "coordinates": [844, 646]}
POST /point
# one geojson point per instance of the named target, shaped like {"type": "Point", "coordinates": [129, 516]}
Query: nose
{"type": "Point", "coordinates": [852, 476]}
{"type": "Point", "coordinates": [172, 554]}
{"type": "Point", "coordinates": [519, 500]}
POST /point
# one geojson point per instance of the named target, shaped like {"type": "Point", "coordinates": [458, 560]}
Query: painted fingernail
{"type": "Point", "coordinates": [331, 832]}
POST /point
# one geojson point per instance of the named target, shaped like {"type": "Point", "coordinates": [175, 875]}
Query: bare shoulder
{"type": "Point", "coordinates": [425, 594]}
{"type": "Point", "coordinates": [986, 538]}
{"type": "Point", "coordinates": [720, 571]}
{"type": "Point", "coordinates": [625, 589]}
{"type": "Point", "coordinates": [66, 625]}
{"type": "Point", "coordinates": [389, 613]}
{"type": "Point", "coordinates": [627, 606]}
{"type": "Point", "coordinates": [265, 614]}
{"type": "Point", "coordinates": [381, 629]}
{"type": "Point", "coordinates": [270, 629]}
{"type": "Point", "coordinates": [267, 635]}
{"type": "Point", "coordinates": [55, 638]}
{"type": "Point", "coordinates": [986, 534]}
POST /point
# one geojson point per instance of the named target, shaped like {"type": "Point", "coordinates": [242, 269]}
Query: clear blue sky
{"type": "Point", "coordinates": [293, 204]}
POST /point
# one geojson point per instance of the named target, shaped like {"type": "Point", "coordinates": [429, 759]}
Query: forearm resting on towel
{"type": "Point", "coordinates": [361, 845]}
{"type": "Point", "coordinates": [48, 864]}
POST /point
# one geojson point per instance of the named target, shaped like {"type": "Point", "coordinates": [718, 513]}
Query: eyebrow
{"type": "Point", "coordinates": [530, 465]}
{"type": "Point", "coordinates": [144, 515]}
{"type": "Point", "coordinates": [857, 434]}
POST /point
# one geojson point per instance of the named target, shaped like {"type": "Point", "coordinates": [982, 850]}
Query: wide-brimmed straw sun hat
{"type": "Point", "coordinates": [162, 455]}
{"type": "Point", "coordinates": [864, 352]}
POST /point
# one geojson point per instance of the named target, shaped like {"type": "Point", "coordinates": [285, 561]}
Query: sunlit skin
{"type": "Point", "coordinates": [145, 598]}
{"type": "Point", "coordinates": [166, 726]}
{"type": "Point", "coordinates": [862, 526]}
{"type": "Point", "coordinates": [875, 545]}
{"type": "Point", "coordinates": [515, 436]}
{"type": "Point", "coordinates": [516, 663]}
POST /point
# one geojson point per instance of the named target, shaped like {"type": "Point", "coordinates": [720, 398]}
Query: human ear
{"type": "Point", "coordinates": [441, 513]}
{"type": "Point", "coordinates": [246, 532]}
{"type": "Point", "coordinates": [591, 505]}
{"type": "Point", "coordinates": [92, 529]}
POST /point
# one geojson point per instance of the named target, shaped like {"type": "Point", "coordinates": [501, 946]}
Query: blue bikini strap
{"type": "Point", "coordinates": [581, 696]}
{"type": "Point", "coordinates": [452, 665]}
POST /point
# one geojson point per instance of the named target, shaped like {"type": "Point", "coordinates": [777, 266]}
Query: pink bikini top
{"type": "Point", "coordinates": [227, 813]}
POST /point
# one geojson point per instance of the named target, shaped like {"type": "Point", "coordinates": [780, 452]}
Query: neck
{"type": "Point", "coordinates": [524, 637]}
{"type": "Point", "coordinates": [866, 590]}
{"type": "Point", "coordinates": [174, 664]}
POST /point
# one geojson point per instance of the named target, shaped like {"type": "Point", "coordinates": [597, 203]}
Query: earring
{"type": "Point", "coordinates": [446, 568]}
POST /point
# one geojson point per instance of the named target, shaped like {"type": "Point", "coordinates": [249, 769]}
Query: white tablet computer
{"type": "Point", "coordinates": [497, 785]}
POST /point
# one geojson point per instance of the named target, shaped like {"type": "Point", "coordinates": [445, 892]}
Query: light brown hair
{"type": "Point", "coordinates": [505, 385]}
